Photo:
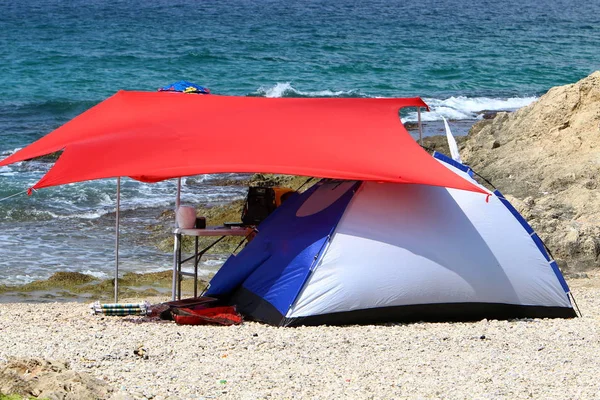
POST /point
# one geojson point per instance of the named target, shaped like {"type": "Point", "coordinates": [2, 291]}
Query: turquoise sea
{"type": "Point", "coordinates": [58, 58]}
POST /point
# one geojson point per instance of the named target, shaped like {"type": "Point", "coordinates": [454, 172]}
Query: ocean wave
{"type": "Point", "coordinates": [6, 171]}
{"type": "Point", "coordinates": [454, 108]}
{"type": "Point", "coordinates": [95, 199]}
{"type": "Point", "coordinates": [467, 108]}
{"type": "Point", "coordinates": [6, 153]}
{"type": "Point", "coordinates": [28, 214]}
{"type": "Point", "coordinates": [287, 90]}
{"type": "Point", "coordinates": [96, 274]}
{"type": "Point", "coordinates": [18, 279]}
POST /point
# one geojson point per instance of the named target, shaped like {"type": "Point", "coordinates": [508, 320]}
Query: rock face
{"type": "Point", "coordinates": [440, 143]}
{"type": "Point", "coordinates": [546, 159]}
{"type": "Point", "coordinates": [49, 380]}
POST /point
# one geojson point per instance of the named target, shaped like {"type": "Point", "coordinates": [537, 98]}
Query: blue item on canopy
{"type": "Point", "coordinates": [185, 87]}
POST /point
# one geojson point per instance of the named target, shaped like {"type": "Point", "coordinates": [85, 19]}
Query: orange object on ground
{"type": "Point", "coordinates": [226, 315]}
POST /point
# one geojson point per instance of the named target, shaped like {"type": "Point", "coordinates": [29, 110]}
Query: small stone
{"type": "Point", "coordinates": [482, 337]}
{"type": "Point", "coordinates": [590, 184]}
{"type": "Point", "coordinates": [141, 351]}
{"type": "Point", "coordinates": [410, 126]}
{"type": "Point", "coordinates": [489, 114]}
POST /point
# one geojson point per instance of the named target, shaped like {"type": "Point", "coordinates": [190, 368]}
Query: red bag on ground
{"type": "Point", "coordinates": [226, 315]}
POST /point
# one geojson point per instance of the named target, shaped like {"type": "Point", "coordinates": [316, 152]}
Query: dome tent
{"type": "Point", "coordinates": [347, 252]}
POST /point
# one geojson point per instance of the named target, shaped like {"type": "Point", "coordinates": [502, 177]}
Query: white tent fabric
{"type": "Point", "coordinates": [323, 197]}
{"type": "Point", "coordinates": [367, 252]}
{"type": "Point", "coordinates": [415, 244]}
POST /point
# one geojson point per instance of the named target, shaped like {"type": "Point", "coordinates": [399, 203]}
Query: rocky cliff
{"type": "Point", "coordinates": [546, 159]}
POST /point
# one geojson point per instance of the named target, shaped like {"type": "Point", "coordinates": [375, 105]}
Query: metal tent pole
{"type": "Point", "coordinates": [117, 240]}
{"type": "Point", "coordinates": [176, 244]}
{"type": "Point", "coordinates": [420, 126]}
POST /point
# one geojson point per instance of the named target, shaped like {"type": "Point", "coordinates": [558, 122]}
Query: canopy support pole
{"type": "Point", "coordinates": [175, 243]}
{"type": "Point", "coordinates": [420, 126]}
{"type": "Point", "coordinates": [117, 217]}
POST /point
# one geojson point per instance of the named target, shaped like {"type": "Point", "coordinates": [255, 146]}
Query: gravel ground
{"type": "Point", "coordinates": [531, 358]}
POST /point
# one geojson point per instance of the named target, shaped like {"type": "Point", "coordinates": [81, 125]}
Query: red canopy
{"type": "Point", "coordinates": [152, 136]}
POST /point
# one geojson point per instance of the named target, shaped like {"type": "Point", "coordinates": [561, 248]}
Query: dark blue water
{"type": "Point", "coordinates": [58, 58]}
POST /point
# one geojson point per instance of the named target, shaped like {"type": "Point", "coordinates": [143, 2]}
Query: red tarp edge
{"type": "Point", "coordinates": [153, 136]}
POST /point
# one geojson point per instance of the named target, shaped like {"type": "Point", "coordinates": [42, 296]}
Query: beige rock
{"type": "Point", "coordinates": [49, 380]}
{"type": "Point", "coordinates": [547, 157]}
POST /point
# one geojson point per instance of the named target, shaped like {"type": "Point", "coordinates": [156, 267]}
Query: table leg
{"type": "Point", "coordinates": [179, 266]}
{"type": "Point", "coordinates": [196, 261]}
{"type": "Point", "coordinates": [175, 267]}
{"type": "Point", "coordinates": [179, 261]}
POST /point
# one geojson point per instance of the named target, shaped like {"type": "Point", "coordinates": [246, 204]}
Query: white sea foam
{"type": "Point", "coordinates": [90, 215]}
{"type": "Point", "coordinates": [19, 279]}
{"type": "Point", "coordinates": [286, 89]}
{"type": "Point", "coordinates": [477, 104]}
{"type": "Point", "coordinates": [6, 171]}
{"type": "Point", "coordinates": [214, 262]}
{"type": "Point", "coordinates": [467, 108]}
{"type": "Point", "coordinates": [7, 153]}
{"type": "Point", "coordinates": [96, 274]}
{"type": "Point", "coordinates": [452, 108]}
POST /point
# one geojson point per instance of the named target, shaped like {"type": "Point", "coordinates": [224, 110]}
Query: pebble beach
{"type": "Point", "coordinates": [486, 67]}
{"type": "Point", "coordinates": [140, 358]}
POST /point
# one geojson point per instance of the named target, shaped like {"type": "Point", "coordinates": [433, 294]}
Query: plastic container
{"type": "Point", "coordinates": [186, 217]}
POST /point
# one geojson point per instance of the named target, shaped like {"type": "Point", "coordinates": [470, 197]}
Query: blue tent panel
{"type": "Point", "coordinates": [237, 269]}
{"type": "Point", "coordinates": [299, 241]}
{"type": "Point", "coordinates": [279, 279]}
{"type": "Point", "coordinates": [277, 263]}
{"type": "Point", "coordinates": [454, 163]}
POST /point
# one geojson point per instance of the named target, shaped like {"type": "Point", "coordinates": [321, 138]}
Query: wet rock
{"type": "Point", "coordinates": [411, 126]}
{"type": "Point", "coordinates": [489, 114]}
{"type": "Point", "coordinates": [439, 143]}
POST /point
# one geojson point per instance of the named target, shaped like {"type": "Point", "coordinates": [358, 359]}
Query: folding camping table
{"type": "Point", "coordinates": [216, 231]}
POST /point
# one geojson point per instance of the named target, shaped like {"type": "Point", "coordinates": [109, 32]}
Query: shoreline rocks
{"type": "Point", "coordinates": [546, 158]}
{"type": "Point", "coordinates": [75, 286]}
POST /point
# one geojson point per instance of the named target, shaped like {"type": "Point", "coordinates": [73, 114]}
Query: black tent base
{"type": "Point", "coordinates": [433, 313]}
{"type": "Point", "coordinates": [255, 308]}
